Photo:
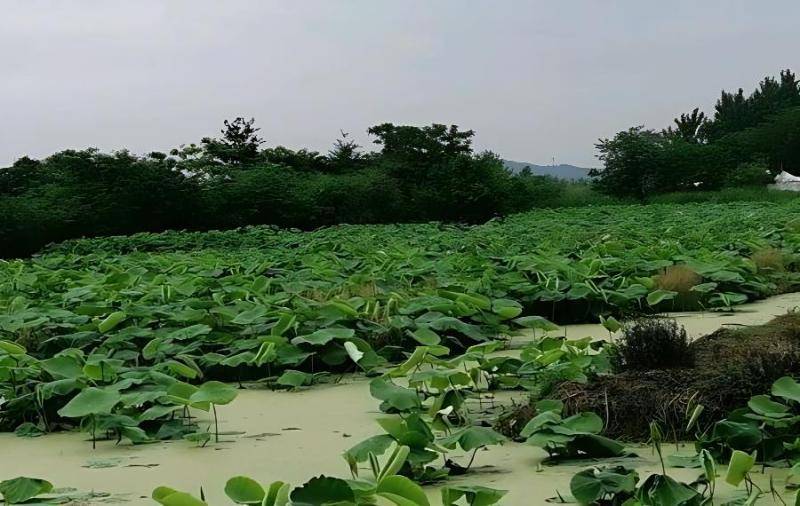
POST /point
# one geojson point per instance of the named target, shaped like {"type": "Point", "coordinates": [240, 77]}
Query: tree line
{"type": "Point", "coordinates": [415, 174]}
{"type": "Point", "coordinates": [747, 141]}
{"type": "Point", "coordinates": [427, 173]}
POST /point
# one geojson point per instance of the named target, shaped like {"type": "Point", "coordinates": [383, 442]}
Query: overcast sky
{"type": "Point", "coordinates": [534, 79]}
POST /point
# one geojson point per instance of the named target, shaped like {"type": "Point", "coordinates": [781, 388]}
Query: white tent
{"type": "Point", "coordinates": [786, 181]}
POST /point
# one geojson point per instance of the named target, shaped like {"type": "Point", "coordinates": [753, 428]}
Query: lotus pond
{"type": "Point", "coordinates": [293, 435]}
{"type": "Point", "coordinates": [143, 341]}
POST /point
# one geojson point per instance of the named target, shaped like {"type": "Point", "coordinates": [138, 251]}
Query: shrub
{"type": "Point", "coordinates": [750, 174]}
{"type": "Point", "coordinates": [768, 260]}
{"type": "Point", "coordinates": [678, 278]}
{"type": "Point", "coordinates": [653, 343]}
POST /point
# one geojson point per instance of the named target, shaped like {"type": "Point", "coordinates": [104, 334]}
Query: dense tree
{"type": "Point", "coordinates": [735, 112]}
{"type": "Point", "coordinates": [301, 159]}
{"type": "Point", "coordinates": [345, 155]}
{"type": "Point", "coordinates": [421, 173]}
{"type": "Point", "coordinates": [689, 127]}
{"type": "Point", "coordinates": [409, 150]}
{"type": "Point", "coordinates": [749, 139]}
{"type": "Point", "coordinates": [239, 144]}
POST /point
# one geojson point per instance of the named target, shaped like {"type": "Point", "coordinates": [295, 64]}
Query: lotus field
{"type": "Point", "coordinates": [147, 318]}
{"type": "Point", "coordinates": [126, 337]}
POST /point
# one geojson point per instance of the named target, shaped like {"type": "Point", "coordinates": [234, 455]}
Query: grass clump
{"type": "Point", "coordinates": [769, 260]}
{"type": "Point", "coordinates": [678, 278]}
{"type": "Point", "coordinates": [653, 343]}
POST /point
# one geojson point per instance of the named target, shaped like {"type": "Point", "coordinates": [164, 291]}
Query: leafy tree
{"type": "Point", "coordinates": [735, 112]}
{"type": "Point", "coordinates": [239, 144]}
{"type": "Point", "coordinates": [409, 150]}
{"type": "Point", "coordinates": [689, 127]}
{"type": "Point", "coordinates": [631, 160]}
{"type": "Point", "coordinates": [345, 155]}
{"type": "Point", "coordinates": [301, 159]}
{"type": "Point", "coordinates": [749, 139]}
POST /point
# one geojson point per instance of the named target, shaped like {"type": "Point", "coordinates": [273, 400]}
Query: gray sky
{"type": "Point", "coordinates": [535, 79]}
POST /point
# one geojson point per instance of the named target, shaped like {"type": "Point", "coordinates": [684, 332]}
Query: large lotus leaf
{"type": "Point", "coordinates": [763, 405]}
{"type": "Point", "coordinates": [90, 401]}
{"type": "Point", "coordinates": [595, 446]}
{"type": "Point", "coordinates": [475, 495]}
{"type": "Point", "coordinates": [725, 276]}
{"type": "Point", "coordinates": [506, 309]}
{"type": "Point", "coordinates": [239, 359]}
{"type": "Point", "coordinates": [244, 490]}
{"type": "Point", "coordinates": [444, 379]}
{"type": "Point", "coordinates": [113, 421]}
{"type": "Point", "coordinates": [250, 316]}
{"type": "Point", "coordinates": [376, 445]}
{"type": "Point", "coordinates": [171, 497]}
{"type": "Point", "coordinates": [414, 439]}
{"type": "Point", "coordinates": [477, 437]}
{"type": "Point", "coordinates": [548, 439]}
{"type": "Point", "coordinates": [451, 323]}
{"type": "Point", "coordinates": [292, 355]}
{"type": "Point", "coordinates": [738, 466]}
{"type": "Point", "coordinates": [181, 393]}
{"type": "Point", "coordinates": [536, 322]}
{"type": "Point", "coordinates": [266, 353]}
{"type": "Point", "coordinates": [402, 491]}
{"type": "Point", "coordinates": [111, 321]}
{"type": "Point", "coordinates": [704, 287]}
{"type": "Point", "coordinates": [425, 336]}
{"type": "Point", "coordinates": [191, 332]}
{"type": "Point", "coordinates": [353, 352]}
{"type": "Point", "coordinates": [294, 379]}
{"type": "Point", "coordinates": [214, 392]}
{"type": "Point", "coordinates": [554, 405]}
{"type": "Point", "coordinates": [284, 323]}
{"type": "Point", "coordinates": [12, 348]}
{"type": "Point", "coordinates": [180, 369]}
{"type": "Point", "coordinates": [416, 358]}
{"type": "Point", "coordinates": [658, 296]}
{"type": "Point", "coordinates": [473, 437]}
{"type": "Point", "coordinates": [544, 419]}
{"type": "Point", "coordinates": [737, 435]}
{"type": "Point", "coordinates": [659, 489]}
{"type": "Point", "coordinates": [402, 399]}
{"type": "Point", "coordinates": [590, 485]}
{"type": "Point", "coordinates": [322, 490]}
{"type": "Point", "coordinates": [787, 388]}
{"type": "Point", "coordinates": [157, 411]}
{"type": "Point", "coordinates": [152, 348]}
{"type": "Point", "coordinates": [394, 426]}
{"type": "Point", "coordinates": [59, 387]}
{"type": "Point", "coordinates": [582, 423]}
{"type": "Point", "coordinates": [277, 494]}
{"type": "Point", "coordinates": [21, 489]}
{"type": "Point", "coordinates": [336, 310]}
{"type": "Point", "coordinates": [324, 336]}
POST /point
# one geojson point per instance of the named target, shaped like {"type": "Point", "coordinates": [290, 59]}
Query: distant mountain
{"type": "Point", "coordinates": [562, 171]}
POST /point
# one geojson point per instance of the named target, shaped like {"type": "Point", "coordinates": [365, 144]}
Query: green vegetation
{"type": "Point", "coordinates": [419, 174]}
{"type": "Point", "coordinates": [749, 140]}
{"type": "Point", "coordinates": [133, 336]}
{"type": "Point", "coordinates": [384, 484]}
{"type": "Point", "coordinates": [141, 322]}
